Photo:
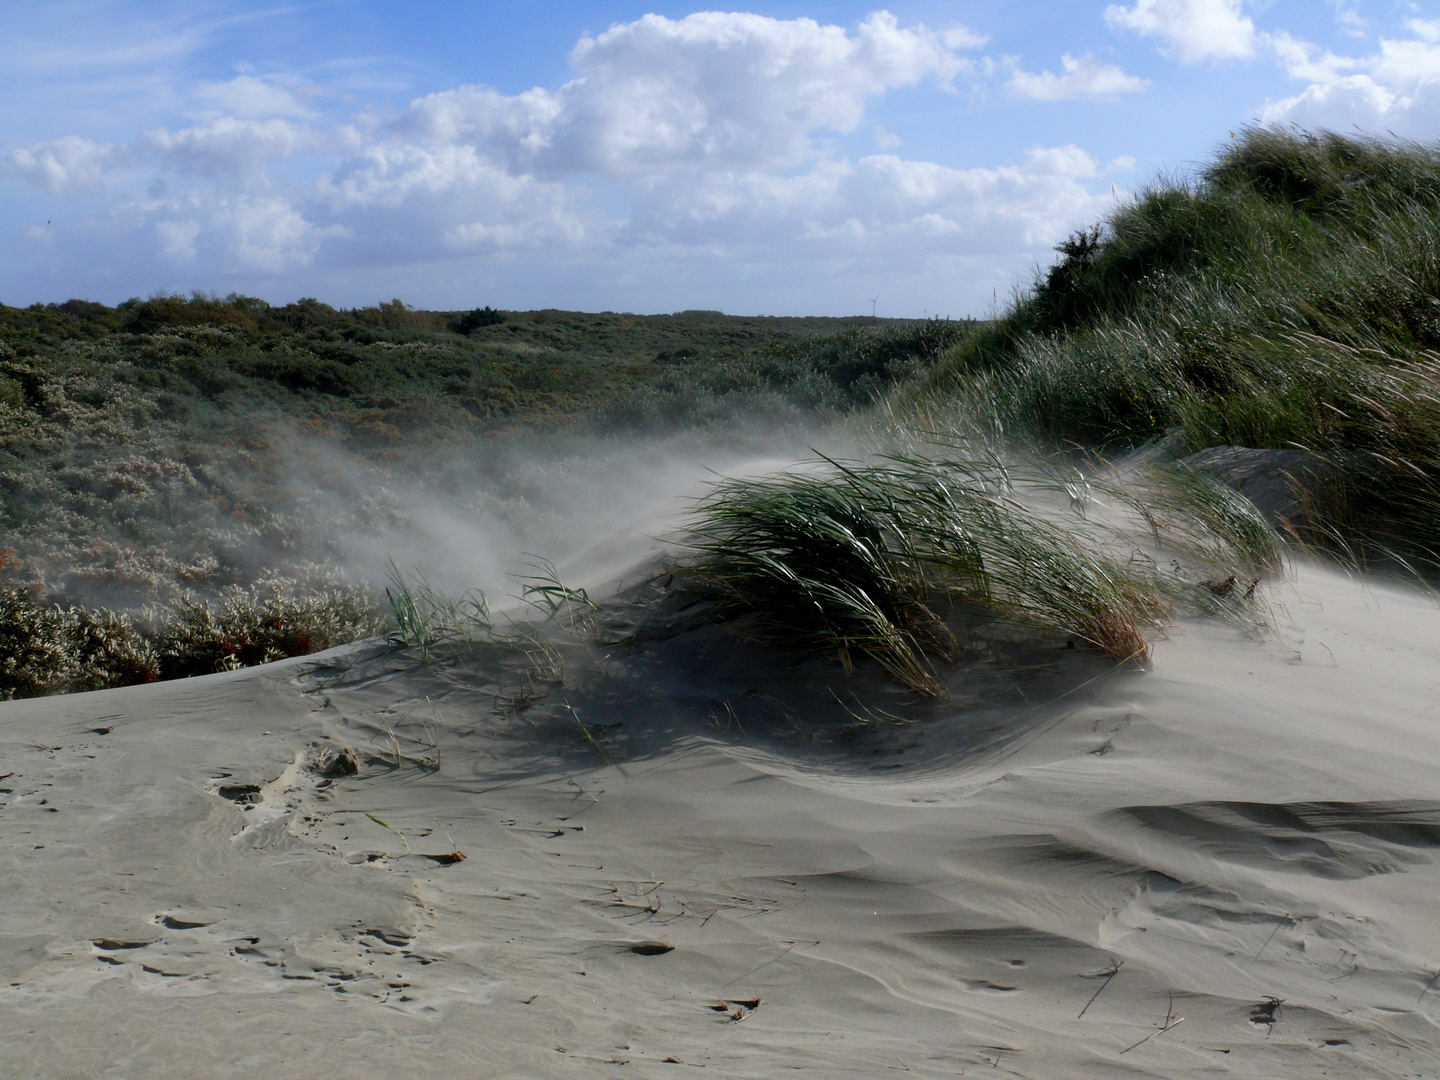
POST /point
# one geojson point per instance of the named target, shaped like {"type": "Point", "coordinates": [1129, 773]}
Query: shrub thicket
{"type": "Point", "coordinates": [822, 376]}
{"type": "Point", "coordinates": [54, 648]}
{"type": "Point", "coordinates": [143, 447]}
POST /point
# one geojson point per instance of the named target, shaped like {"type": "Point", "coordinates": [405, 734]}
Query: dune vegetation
{"type": "Point", "coordinates": [1288, 297]}
{"type": "Point", "coordinates": [52, 648]}
{"type": "Point", "coordinates": [1284, 299]}
{"type": "Point", "coordinates": [147, 451]}
{"type": "Point", "coordinates": [877, 558]}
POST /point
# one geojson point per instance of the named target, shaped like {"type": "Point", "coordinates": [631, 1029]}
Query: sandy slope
{"type": "Point", "coordinates": [689, 853]}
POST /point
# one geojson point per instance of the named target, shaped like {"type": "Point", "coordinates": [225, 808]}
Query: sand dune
{"type": "Point", "coordinates": [689, 852]}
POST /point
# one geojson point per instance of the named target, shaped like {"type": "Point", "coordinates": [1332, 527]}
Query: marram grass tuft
{"type": "Point", "coordinates": [844, 558]}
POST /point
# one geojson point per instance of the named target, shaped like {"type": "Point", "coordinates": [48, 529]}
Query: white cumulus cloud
{"type": "Point", "coordinates": [713, 89]}
{"type": "Point", "coordinates": [710, 124]}
{"type": "Point", "coordinates": [177, 239]}
{"type": "Point", "coordinates": [1409, 65]}
{"type": "Point", "coordinates": [246, 234]}
{"type": "Point", "coordinates": [1192, 30]}
{"type": "Point", "coordinates": [1301, 60]}
{"type": "Point", "coordinates": [253, 97]}
{"type": "Point", "coordinates": [675, 141]}
{"type": "Point", "coordinates": [1396, 88]}
{"type": "Point", "coordinates": [1084, 76]}
{"type": "Point", "coordinates": [63, 166]}
{"type": "Point", "coordinates": [227, 147]}
{"type": "Point", "coordinates": [882, 203]}
{"type": "Point", "coordinates": [401, 201]}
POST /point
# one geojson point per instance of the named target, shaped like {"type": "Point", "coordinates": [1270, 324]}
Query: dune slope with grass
{"type": "Point", "coordinates": [173, 467]}
{"type": "Point", "coordinates": [1286, 299]}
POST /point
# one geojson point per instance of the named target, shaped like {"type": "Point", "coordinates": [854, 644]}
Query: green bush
{"type": "Point", "coordinates": [823, 375]}
{"type": "Point", "coordinates": [12, 393]}
{"type": "Point", "coordinates": [248, 626]}
{"type": "Point", "coordinates": [471, 321]}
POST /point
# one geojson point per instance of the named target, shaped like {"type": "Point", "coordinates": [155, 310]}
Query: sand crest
{"type": "Point", "coordinates": [690, 852]}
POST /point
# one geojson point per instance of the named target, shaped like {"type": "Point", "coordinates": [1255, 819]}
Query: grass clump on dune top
{"type": "Point", "coordinates": [852, 558]}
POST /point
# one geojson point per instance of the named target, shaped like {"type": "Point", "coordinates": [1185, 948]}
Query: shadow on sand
{"type": "Point", "coordinates": [651, 672]}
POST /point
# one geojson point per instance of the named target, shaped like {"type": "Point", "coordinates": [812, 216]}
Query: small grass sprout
{"type": "Point", "coordinates": [544, 591]}
{"type": "Point", "coordinates": [425, 617]}
{"type": "Point", "coordinates": [588, 734]}
{"type": "Point", "coordinates": [451, 857]}
{"type": "Point", "coordinates": [392, 828]}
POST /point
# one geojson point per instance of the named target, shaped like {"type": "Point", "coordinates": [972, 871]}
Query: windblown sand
{"type": "Point", "coordinates": [691, 853]}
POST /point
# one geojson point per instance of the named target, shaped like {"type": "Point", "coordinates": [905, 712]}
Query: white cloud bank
{"type": "Point", "coordinates": [1191, 30]}
{"type": "Point", "coordinates": [68, 165]}
{"type": "Point", "coordinates": [677, 141]}
{"type": "Point", "coordinates": [1396, 88]}
{"type": "Point", "coordinates": [1080, 77]}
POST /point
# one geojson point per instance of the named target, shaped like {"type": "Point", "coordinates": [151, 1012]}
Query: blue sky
{"type": "Point", "coordinates": [783, 158]}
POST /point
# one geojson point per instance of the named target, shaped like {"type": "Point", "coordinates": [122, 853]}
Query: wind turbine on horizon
{"type": "Point", "coordinates": [872, 300]}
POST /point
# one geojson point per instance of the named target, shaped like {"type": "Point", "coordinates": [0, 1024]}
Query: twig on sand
{"type": "Point", "coordinates": [1264, 1014]}
{"type": "Point", "coordinates": [1107, 975]}
{"type": "Point", "coordinates": [783, 953]}
{"type": "Point", "coordinates": [997, 1051]}
{"type": "Point", "coordinates": [1171, 1021]}
{"type": "Point", "coordinates": [1428, 987]}
{"type": "Point", "coordinates": [1283, 920]}
{"type": "Point", "coordinates": [737, 1010]}
{"type": "Point", "coordinates": [588, 736]}
{"type": "Point", "coordinates": [580, 790]}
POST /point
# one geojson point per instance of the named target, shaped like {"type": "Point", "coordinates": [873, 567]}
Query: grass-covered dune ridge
{"type": "Point", "coordinates": [1288, 296]}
